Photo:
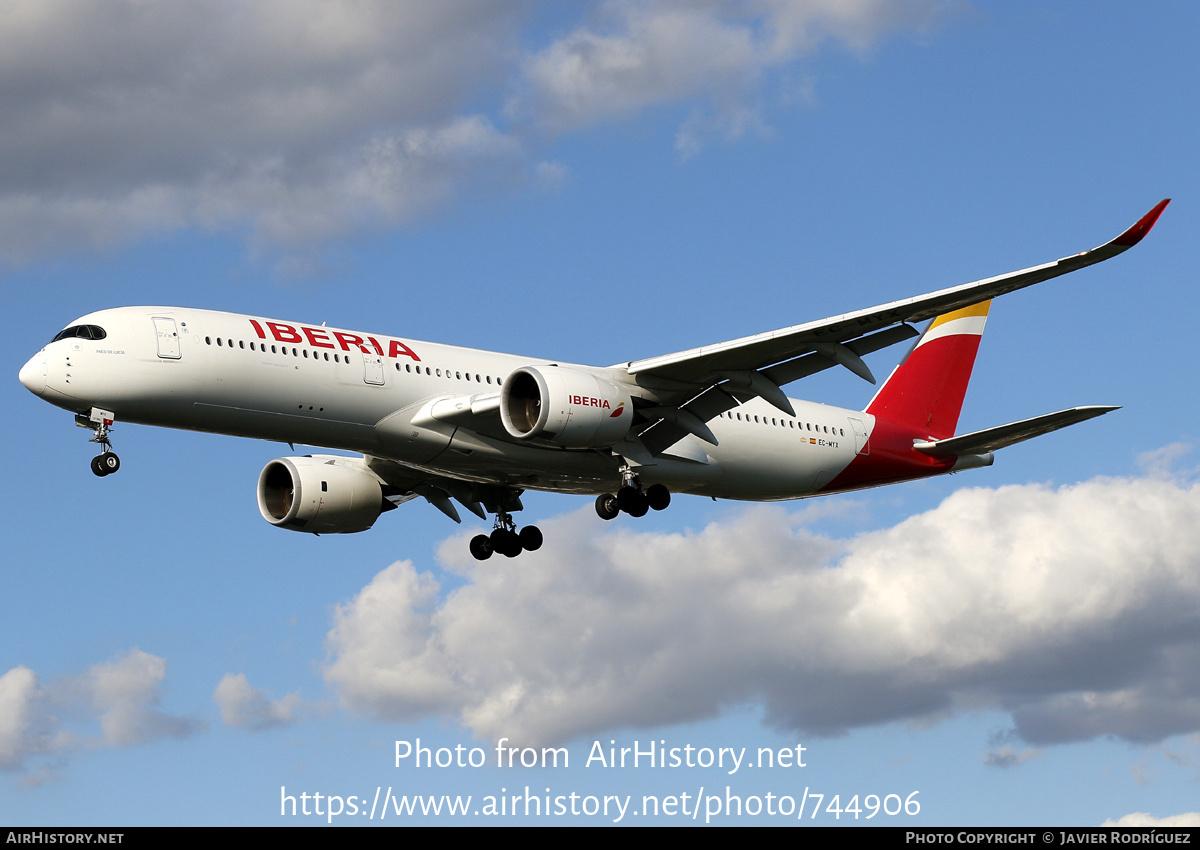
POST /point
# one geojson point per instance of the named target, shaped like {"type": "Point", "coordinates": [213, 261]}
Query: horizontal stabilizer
{"type": "Point", "coordinates": [990, 439]}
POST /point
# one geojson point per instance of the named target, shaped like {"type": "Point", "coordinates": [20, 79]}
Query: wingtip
{"type": "Point", "coordinates": [1135, 234]}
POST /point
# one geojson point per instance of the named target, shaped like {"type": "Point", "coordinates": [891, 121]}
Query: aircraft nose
{"type": "Point", "coordinates": [33, 374]}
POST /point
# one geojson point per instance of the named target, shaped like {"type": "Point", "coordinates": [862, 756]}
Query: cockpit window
{"type": "Point", "coordinates": [82, 332]}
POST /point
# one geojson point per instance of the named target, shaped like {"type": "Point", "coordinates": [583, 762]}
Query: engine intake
{"type": "Point", "coordinates": [566, 407]}
{"type": "Point", "coordinates": [320, 494]}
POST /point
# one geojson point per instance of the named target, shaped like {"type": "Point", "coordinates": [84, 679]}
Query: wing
{"type": "Point", "coordinates": [698, 384]}
{"type": "Point", "coordinates": [403, 483]}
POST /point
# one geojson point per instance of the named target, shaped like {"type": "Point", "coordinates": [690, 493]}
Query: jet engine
{"type": "Point", "coordinates": [565, 407]}
{"type": "Point", "coordinates": [320, 494]}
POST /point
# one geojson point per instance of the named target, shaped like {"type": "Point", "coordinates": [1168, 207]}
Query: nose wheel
{"type": "Point", "coordinates": [505, 539]}
{"type": "Point", "coordinates": [101, 421]}
{"type": "Point", "coordinates": [105, 464]}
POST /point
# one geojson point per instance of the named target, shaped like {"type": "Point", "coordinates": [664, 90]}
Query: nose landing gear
{"type": "Point", "coordinates": [100, 422]}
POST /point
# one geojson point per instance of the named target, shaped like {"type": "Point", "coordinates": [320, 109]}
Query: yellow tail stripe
{"type": "Point", "coordinates": [980, 309]}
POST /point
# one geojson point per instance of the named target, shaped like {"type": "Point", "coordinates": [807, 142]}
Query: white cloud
{"type": "Point", "coordinates": [1073, 609]}
{"type": "Point", "coordinates": [22, 731]}
{"type": "Point", "coordinates": [1141, 819]}
{"type": "Point", "coordinates": [121, 695]}
{"type": "Point", "coordinates": [1164, 462]}
{"type": "Point", "coordinates": [124, 692]}
{"type": "Point", "coordinates": [305, 120]}
{"type": "Point", "coordinates": [388, 658]}
{"type": "Point", "coordinates": [289, 119]}
{"type": "Point", "coordinates": [642, 54]}
{"type": "Point", "coordinates": [246, 707]}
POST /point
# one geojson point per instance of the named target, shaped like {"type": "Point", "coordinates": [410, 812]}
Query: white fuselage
{"type": "Point", "coordinates": [284, 381]}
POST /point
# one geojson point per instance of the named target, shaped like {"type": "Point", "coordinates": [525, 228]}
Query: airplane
{"type": "Point", "coordinates": [478, 428]}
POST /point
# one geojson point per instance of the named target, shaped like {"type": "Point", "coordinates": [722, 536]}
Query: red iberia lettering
{"type": "Point", "coordinates": [322, 338]}
{"type": "Point", "coordinates": [397, 348]}
{"type": "Point", "coordinates": [588, 401]}
{"type": "Point", "coordinates": [317, 337]}
{"type": "Point", "coordinates": [284, 333]}
{"type": "Point", "coordinates": [348, 340]}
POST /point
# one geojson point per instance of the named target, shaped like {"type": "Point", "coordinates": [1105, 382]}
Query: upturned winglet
{"type": "Point", "coordinates": [1135, 234]}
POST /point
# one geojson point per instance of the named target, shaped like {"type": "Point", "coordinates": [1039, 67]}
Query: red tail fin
{"type": "Point", "coordinates": [926, 390]}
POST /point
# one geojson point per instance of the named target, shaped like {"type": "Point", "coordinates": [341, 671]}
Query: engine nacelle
{"type": "Point", "coordinates": [565, 406]}
{"type": "Point", "coordinates": [321, 494]}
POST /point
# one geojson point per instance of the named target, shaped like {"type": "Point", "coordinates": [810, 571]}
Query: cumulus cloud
{"type": "Point", "coordinates": [121, 696]}
{"type": "Point", "coordinates": [124, 693]}
{"type": "Point", "coordinates": [1074, 609]}
{"type": "Point", "coordinates": [290, 119]}
{"type": "Point", "coordinates": [246, 707]}
{"type": "Point", "coordinates": [301, 120]}
{"type": "Point", "coordinates": [23, 727]}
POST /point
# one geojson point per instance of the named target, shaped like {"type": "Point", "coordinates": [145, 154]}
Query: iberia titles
{"type": "Point", "coordinates": [320, 338]}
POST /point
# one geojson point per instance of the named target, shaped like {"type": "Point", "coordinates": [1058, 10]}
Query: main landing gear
{"type": "Point", "coordinates": [100, 421]}
{"type": "Point", "coordinates": [506, 540]}
{"type": "Point", "coordinates": [633, 500]}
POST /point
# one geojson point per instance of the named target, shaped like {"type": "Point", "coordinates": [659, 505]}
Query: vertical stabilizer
{"type": "Point", "coordinates": [925, 392]}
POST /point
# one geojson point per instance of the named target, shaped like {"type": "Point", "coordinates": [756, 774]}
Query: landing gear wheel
{"type": "Point", "coordinates": [658, 496]}
{"type": "Point", "coordinates": [506, 542]}
{"type": "Point", "coordinates": [632, 501]}
{"type": "Point", "coordinates": [105, 464]}
{"type": "Point", "coordinates": [606, 506]}
{"type": "Point", "coordinates": [481, 547]}
{"type": "Point", "coordinates": [530, 538]}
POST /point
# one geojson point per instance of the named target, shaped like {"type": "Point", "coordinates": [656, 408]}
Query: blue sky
{"type": "Point", "coordinates": [599, 182]}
